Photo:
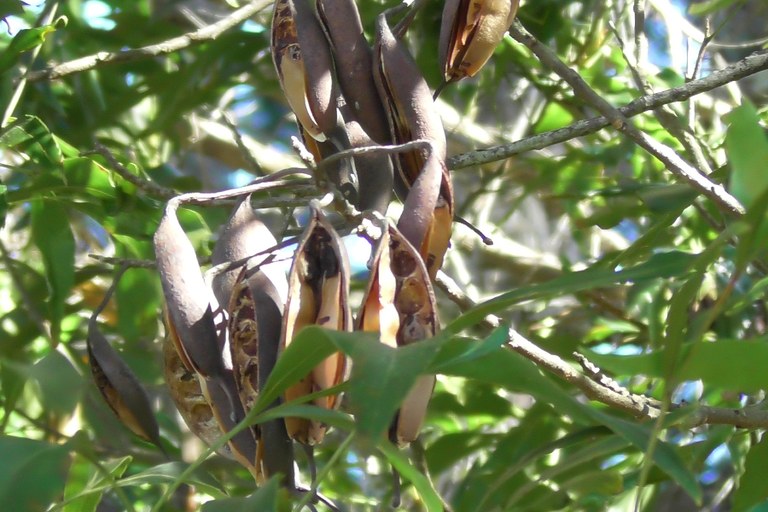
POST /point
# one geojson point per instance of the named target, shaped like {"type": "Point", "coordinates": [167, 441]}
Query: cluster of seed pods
{"type": "Point", "coordinates": [224, 338]}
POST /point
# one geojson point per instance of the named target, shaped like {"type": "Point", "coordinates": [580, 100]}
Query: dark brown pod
{"type": "Point", "coordinates": [353, 61]}
{"type": "Point", "coordinates": [187, 296]}
{"type": "Point", "coordinates": [470, 32]}
{"type": "Point", "coordinates": [399, 304]}
{"type": "Point", "coordinates": [191, 327]}
{"type": "Point", "coordinates": [304, 66]}
{"type": "Point", "coordinates": [255, 325]}
{"type": "Point", "coordinates": [318, 294]}
{"type": "Point", "coordinates": [408, 103]}
{"type": "Point", "coordinates": [120, 387]}
{"type": "Point", "coordinates": [242, 236]}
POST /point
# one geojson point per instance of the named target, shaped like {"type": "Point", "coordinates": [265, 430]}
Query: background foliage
{"type": "Point", "coordinates": [600, 251]}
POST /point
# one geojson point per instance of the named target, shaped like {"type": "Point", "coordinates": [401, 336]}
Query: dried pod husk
{"type": "Point", "coordinates": [318, 294]}
{"type": "Point", "coordinates": [187, 297]}
{"type": "Point", "coordinates": [399, 305]}
{"type": "Point", "coordinates": [242, 236]}
{"type": "Point", "coordinates": [191, 325]}
{"type": "Point", "coordinates": [353, 60]}
{"type": "Point", "coordinates": [255, 325]}
{"type": "Point", "coordinates": [304, 66]}
{"type": "Point", "coordinates": [427, 216]}
{"type": "Point", "coordinates": [408, 103]}
{"type": "Point", "coordinates": [120, 388]}
{"type": "Point", "coordinates": [185, 391]}
{"type": "Point", "coordinates": [470, 32]}
{"type": "Point", "coordinates": [412, 116]}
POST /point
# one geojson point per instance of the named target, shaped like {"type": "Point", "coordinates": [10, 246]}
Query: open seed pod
{"type": "Point", "coordinates": [400, 305]}
{"type": "Point", "coordinates": [255, 325]}
{"type": "Point", "coordinates": [470, 32]}
{"type": "Point", "coordinates": [191, 327]}
{"type": "Point", "coordinates": [408, 103]}
{"type": "Point", "coordinates": [304, 66]}
{"type": "Point", "coordinates": [188, 397]}
{"type": "Point", "coordinates": [412, 116]}
{"type": "Point", "coordinates": [318, 289]}
{"type": "Point", "coordinates": [120, 388]}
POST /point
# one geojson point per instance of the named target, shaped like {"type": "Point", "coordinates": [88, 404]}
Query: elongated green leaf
{"type": "Point", "coordinates": [381, 378]}
{"type": "Point", "coordinates": [752, 489]}
{"type": "Point", "coordinates": [516, 373]}
{"type": "Point", "coordinates": [747, 149]}
{"type": "Point", "coordinates": [31, 136]}
{"type": "Point", "coordinates": [668, 264]}
{"type": "Point", "coordinates": [310, 346]}
{"type": "Point", "coordinates": [53, 237]}
{"type": "Point", "coordinates": [664, 455]}
{"type": "Point", "coordinates": [59, 384]}
{"type": "Point", "coordinates": [727, 364]}
{"type": "Point", "coordinates": [32, 474]}
{"type": "Point", "coordinates": [23, 41]}
{"type": "Point", "coordinates": [265, 498]}
{"type": "Point", "coordinates": [169, 472]}
{"type": "Point", "coordinates": [420, 482]}
{"type": "Point", "coordinates": [459, 350]}
{"type": "Point", "coordinates": [78, 483]}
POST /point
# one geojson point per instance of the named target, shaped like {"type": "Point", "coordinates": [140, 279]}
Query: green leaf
{"type": "Point", "coordinates": [461, 350]}
{"type": "Point", "coordinates": [752, 489]}
{"type": "Point", "coordinates": [31, 136]}
{"type": "Point", "coordinates": [24, 40]}
{"type": "Point", "coordinates": [265, 498]}
{"type": "Point", "coordinates": [170, 471]}
{"type": "Point", "coordinates": [32, 474]}
{"type": "Point", "coordinates": [516, 373]}
{"type": "Point", "coordinates": [53, 237]}
{"type": "Point", "coordinates": [79, 482]}
{"type": "Point", "coordinates": [421, 483]}
{"type": "Point", "coordinates": [747, 148]}
{"type": "Point", "coordinates": [381, 377]}
{"type": "Point", "coordinates": [737, 365]}
{"type": "Point", "coordinates": [59, 383]}
{"type": "Point", "coordinates": [310, 346]}
{"type": "Point", "coordinates": [664, 455]}
{"type": "Point", "coordinates": [666, 264]}
{"type": "Point", "coordinates": [709, 6]}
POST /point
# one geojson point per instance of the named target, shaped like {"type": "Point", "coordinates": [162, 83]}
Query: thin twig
{"type": "Point", "coordinates": [750, 65]}
{"type": "Point", "coordinates": [674, 163]}
{"type": "Point", "coordinates": [175, 44]}
{"type": "Point", "coordinates": [147, 186]}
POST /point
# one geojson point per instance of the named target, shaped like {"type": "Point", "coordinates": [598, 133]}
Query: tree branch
{"type": "Point", "coordinates": [175, 44]}
{"type": "Point", "coordinates": [750, 65]}
{"type": "Point", "coordinates": [598, 386]}
{"type": "Point", "coordinates": [674, 162]}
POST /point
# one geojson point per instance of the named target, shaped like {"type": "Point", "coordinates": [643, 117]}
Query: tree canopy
{"type": "Point", "coordinates": [597, 334]}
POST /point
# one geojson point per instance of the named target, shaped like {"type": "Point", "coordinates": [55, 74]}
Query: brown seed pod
{"type": "Point", "coordinates": [400, 305]}
{"type": "Point", "coordinates": [412, 116]}
{"type": "Point", "coordinates": [255, 324]}
{"type": "Point", "coordinates": [242, 236]}
{"type": "Point", "coordinates": [188, 397]}
{"type": "Point", "coordinates": [353, 60]}
{"type": "Point", "coordinates": [120, 387]}
{"type": "Point", "coordinates": [408, 103]}
{"type": "Point", "coordinates": [470, 32]}
{"type": "Point", "coordinates": [187, 296]}
{"type": "Point", "coordinates": [191, 326]}
{"type": "Point", "coordinates": [304, 66]}
{"type": "Point", "coordinates": [318, 289]}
